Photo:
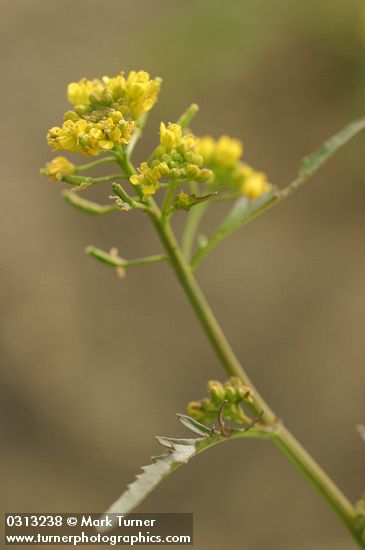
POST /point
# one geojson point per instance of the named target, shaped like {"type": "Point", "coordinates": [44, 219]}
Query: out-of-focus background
{"type": "Point", "coordinates": [92, 367]}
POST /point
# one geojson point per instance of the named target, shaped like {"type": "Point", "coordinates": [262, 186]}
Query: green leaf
{"type": "Point", "coordinates": [244, 211]}
{"type": "Point", "coordinates": [311, 164]}
{"type": "Point", "coordinates": [193, 425]}
{"type": "Point", "coordinates": [87, 206]}
{"type": "Point", "coordinates": [179, 452]}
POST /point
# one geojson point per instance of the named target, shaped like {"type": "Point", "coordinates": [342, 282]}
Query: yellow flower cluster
{"type": "Point", "coordinates": [175, 158]}
{"type": "Point", "coordinates": [149, 177]}
{"type": "Point", "coordinates": [58, 166]}
{"type": "Point", "coordinates": [91, 137]}
{"type": "Point", "coordinates": [137, 92]}
{"type": "Point", "coordinates": [223, 156]}
{"type": "Point", "coordinates": [106, 112]}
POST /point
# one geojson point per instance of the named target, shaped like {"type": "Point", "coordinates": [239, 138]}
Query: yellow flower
{"type": "Point", "coordinates": [58, 166]}
{"type": "Point", "coordinates": [175, 159]}
{"type": "Point", "coordinates": [149, 177]}
{"type": "Point", "coordinates": [228, 151]}
{"type": "Point", "coordinates": [225, 151]}
{"type": "Point", "coordinates": [78, 93]}
{"type": "Point", "coordinates": [68, 137]}
{"type": "Point", "coordinates": [252, 184]}
{"type": "Point", "coordinates": [105, 112]}
{"type": "Point", "coordinates": [89, 137]}
{"type": "Point", "coordinates": [115, 85]}
{"type": "Point", "coordinates": [256, 185]}
{"type": "Point", "coordinates": [141, 93]}
{"type": "Point", "coordinates": [205, 147]}
{"type": "Point", "coordinates": [223, 157]}
{"type": "Point", "coordinates": [171, 136]}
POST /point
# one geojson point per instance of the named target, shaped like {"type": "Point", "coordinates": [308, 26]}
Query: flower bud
{"type": "Point", "coordinates": [198, 160]}
{"type": "Point", "coordinates": [160, 151]}
{"type": "Point", "coordinates": [70, 115]}
{"type": "Point", "coordinates": [177, 158]}
{"type": "Point", "coordinates": [216, 391]}
{"type": "Point", "coordinates": [163, 169]}
{"type": "Point", "coordinates": [231, 394]}
{"type": "Point", "coordinates": [174, 173]}
{"type": "Point", "coordinates": [192, 171]}
{"type": "Point", "coordinates": [165, 158]}
{"type": "Point", "coordinates": [81, 109]}
{"type": "Point", "coordinates": [205, 174]}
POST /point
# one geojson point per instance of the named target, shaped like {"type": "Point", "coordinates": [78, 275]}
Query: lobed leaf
{"type": "Point", "coordinates": [179, 452]}
{"type": "Point", "coordinates": [244, 210]}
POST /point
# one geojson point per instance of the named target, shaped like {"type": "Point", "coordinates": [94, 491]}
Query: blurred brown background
{"type": "Point", "coordinates": [92, 366]}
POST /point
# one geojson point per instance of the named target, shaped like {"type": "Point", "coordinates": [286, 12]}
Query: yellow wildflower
{"type": "Point", "coordinates": [255, 185]}
{"type": "Point", "coordinates": [149, 177]}
{"type": "Point", "coordinates": [223, 157]}
{"type": "Point", "coordinates": [58, 166]}
{"type": "Point", "coordinates": [171, 136]}
{"type": "Point", "coordinates": [205, 148]}
{"type": "Point", "coordinates": [138, 92]}
{"type": "Point", "coordinates": [78, 93]}
{"type": "Point", "coordinates": [89, 137]}
{"type": "Point", "coordinates": [141, 92]}
{"type": "Point", "coordinates": [68, 137]}
{"type": "Point", "coordinates": [105, 112]}
{"type": "Point", "coordinates": [225, 151]}
{"type": "Point", "coordinates": [175, 159]}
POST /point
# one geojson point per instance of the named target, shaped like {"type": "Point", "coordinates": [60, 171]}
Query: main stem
{"type": "Point", "coordinates": [282, 438]}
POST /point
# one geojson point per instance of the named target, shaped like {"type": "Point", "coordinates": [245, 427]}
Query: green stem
{"type": "Point", "coordinates": [137, 134]}
{"type": "Point", "coordinates": [90, 165]}
{"type": "Point", "coordinates": [88, 181]}
{"type": "Point", "coordinates": [313, 473]}
{"type": "Point", "coordinates": [169, 195]}
{"type": "Point", "coordinates": [113, 260]}
{"type": "Point", "coordinates": [191, 227]}
{"type": "Point", "coordinates": [123, 195]}
{"type": "Point", "coordinates": [283, 439]}
{"type": "Point", "coordinates": [146, 260]}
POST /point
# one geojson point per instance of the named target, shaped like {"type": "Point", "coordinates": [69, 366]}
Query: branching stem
{"type": "Point", "coordinates": [283, 439]}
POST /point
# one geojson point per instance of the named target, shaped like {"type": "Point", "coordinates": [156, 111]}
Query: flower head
{"type": "Point", "coordinates": [175, 159]}
{"type": "Point", "coordinates": [91, 138]}
{"type": "Point", "coordinates": [106, 112]}
{"type": "Point", "coordinates": [223, 156]}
